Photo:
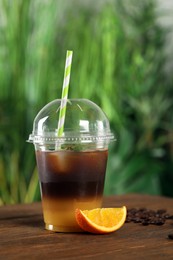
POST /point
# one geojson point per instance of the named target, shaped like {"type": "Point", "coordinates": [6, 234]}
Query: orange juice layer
{"type": "Point", "coordinates": [59, 215]}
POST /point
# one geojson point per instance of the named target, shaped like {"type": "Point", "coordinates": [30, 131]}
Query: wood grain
{"type": "Point", "coordinates": [22, 235]}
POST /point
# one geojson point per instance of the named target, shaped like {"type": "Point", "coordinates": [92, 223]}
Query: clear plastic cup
{"type": "Point", "coordinates": [71, 167]}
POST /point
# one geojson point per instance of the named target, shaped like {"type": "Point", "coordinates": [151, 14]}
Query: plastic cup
{"type": "Point", "coordinates": [71, 167]}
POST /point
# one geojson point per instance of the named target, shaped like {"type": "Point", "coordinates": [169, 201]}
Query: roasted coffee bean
{"type": "Point", "coordinates": [167, 216]}
{"type": "Point", "coordinates": [148, 216]}
{"type": "Point", "coordinates": [145, 223]}
{"type": "Point", "coordinates": [159, 222]}
{"type": "Point", "coordinates": [170, 236]}
{"type": "Point", "coordinates": [137, 220]}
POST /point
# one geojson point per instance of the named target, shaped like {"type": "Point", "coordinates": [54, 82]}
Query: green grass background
{"type": "Point", "coordinates": [118, 63]}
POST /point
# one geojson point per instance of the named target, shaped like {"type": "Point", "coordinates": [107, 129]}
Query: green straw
{"type": "Point", "coordinates": [64, 93]}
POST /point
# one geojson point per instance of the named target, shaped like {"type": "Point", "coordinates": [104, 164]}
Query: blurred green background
{"type": "Point", "coordinates": [119, 62]}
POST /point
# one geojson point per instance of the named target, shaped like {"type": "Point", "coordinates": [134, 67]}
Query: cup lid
{"type": "Point", "coordinates": [85, 122]}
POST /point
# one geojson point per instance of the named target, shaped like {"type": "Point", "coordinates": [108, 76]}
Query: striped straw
{"type": "Point", "coordinates": [64, 96]}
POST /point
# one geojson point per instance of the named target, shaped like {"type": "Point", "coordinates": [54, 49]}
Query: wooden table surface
{"type": "Point", "coordinates": [22, 235]}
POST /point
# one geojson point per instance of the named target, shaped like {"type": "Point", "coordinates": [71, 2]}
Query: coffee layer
{"type": "Point", "coordinates": [72, 189]}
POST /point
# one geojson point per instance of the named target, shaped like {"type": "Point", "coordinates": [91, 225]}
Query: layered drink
{"type": "Point", "coordinates": [69, 180]}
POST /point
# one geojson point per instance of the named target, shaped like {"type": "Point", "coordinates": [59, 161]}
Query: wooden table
{"type": "Point", "coordinates": [22, 235]}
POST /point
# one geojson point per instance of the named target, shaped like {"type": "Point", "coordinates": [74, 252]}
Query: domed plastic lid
{"type": "Point", "coordinates": [85, 122]}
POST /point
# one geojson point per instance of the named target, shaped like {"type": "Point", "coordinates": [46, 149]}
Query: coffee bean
{"type": "Point", "coordinates": [137, 220]}
{"type": "Point", "coordinates": [170, 236]}
{"type": "Point", "coordinates": [167, 216]}
{"type": "Point", "coordinates": [147, 216]}
{"type": "Point", "coordinates": [145, 223]}
{"type": "Point", "coordinates": [159, 222]}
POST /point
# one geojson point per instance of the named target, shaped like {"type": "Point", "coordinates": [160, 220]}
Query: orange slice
{"type": "Point", "coordinates": [101, 220]}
